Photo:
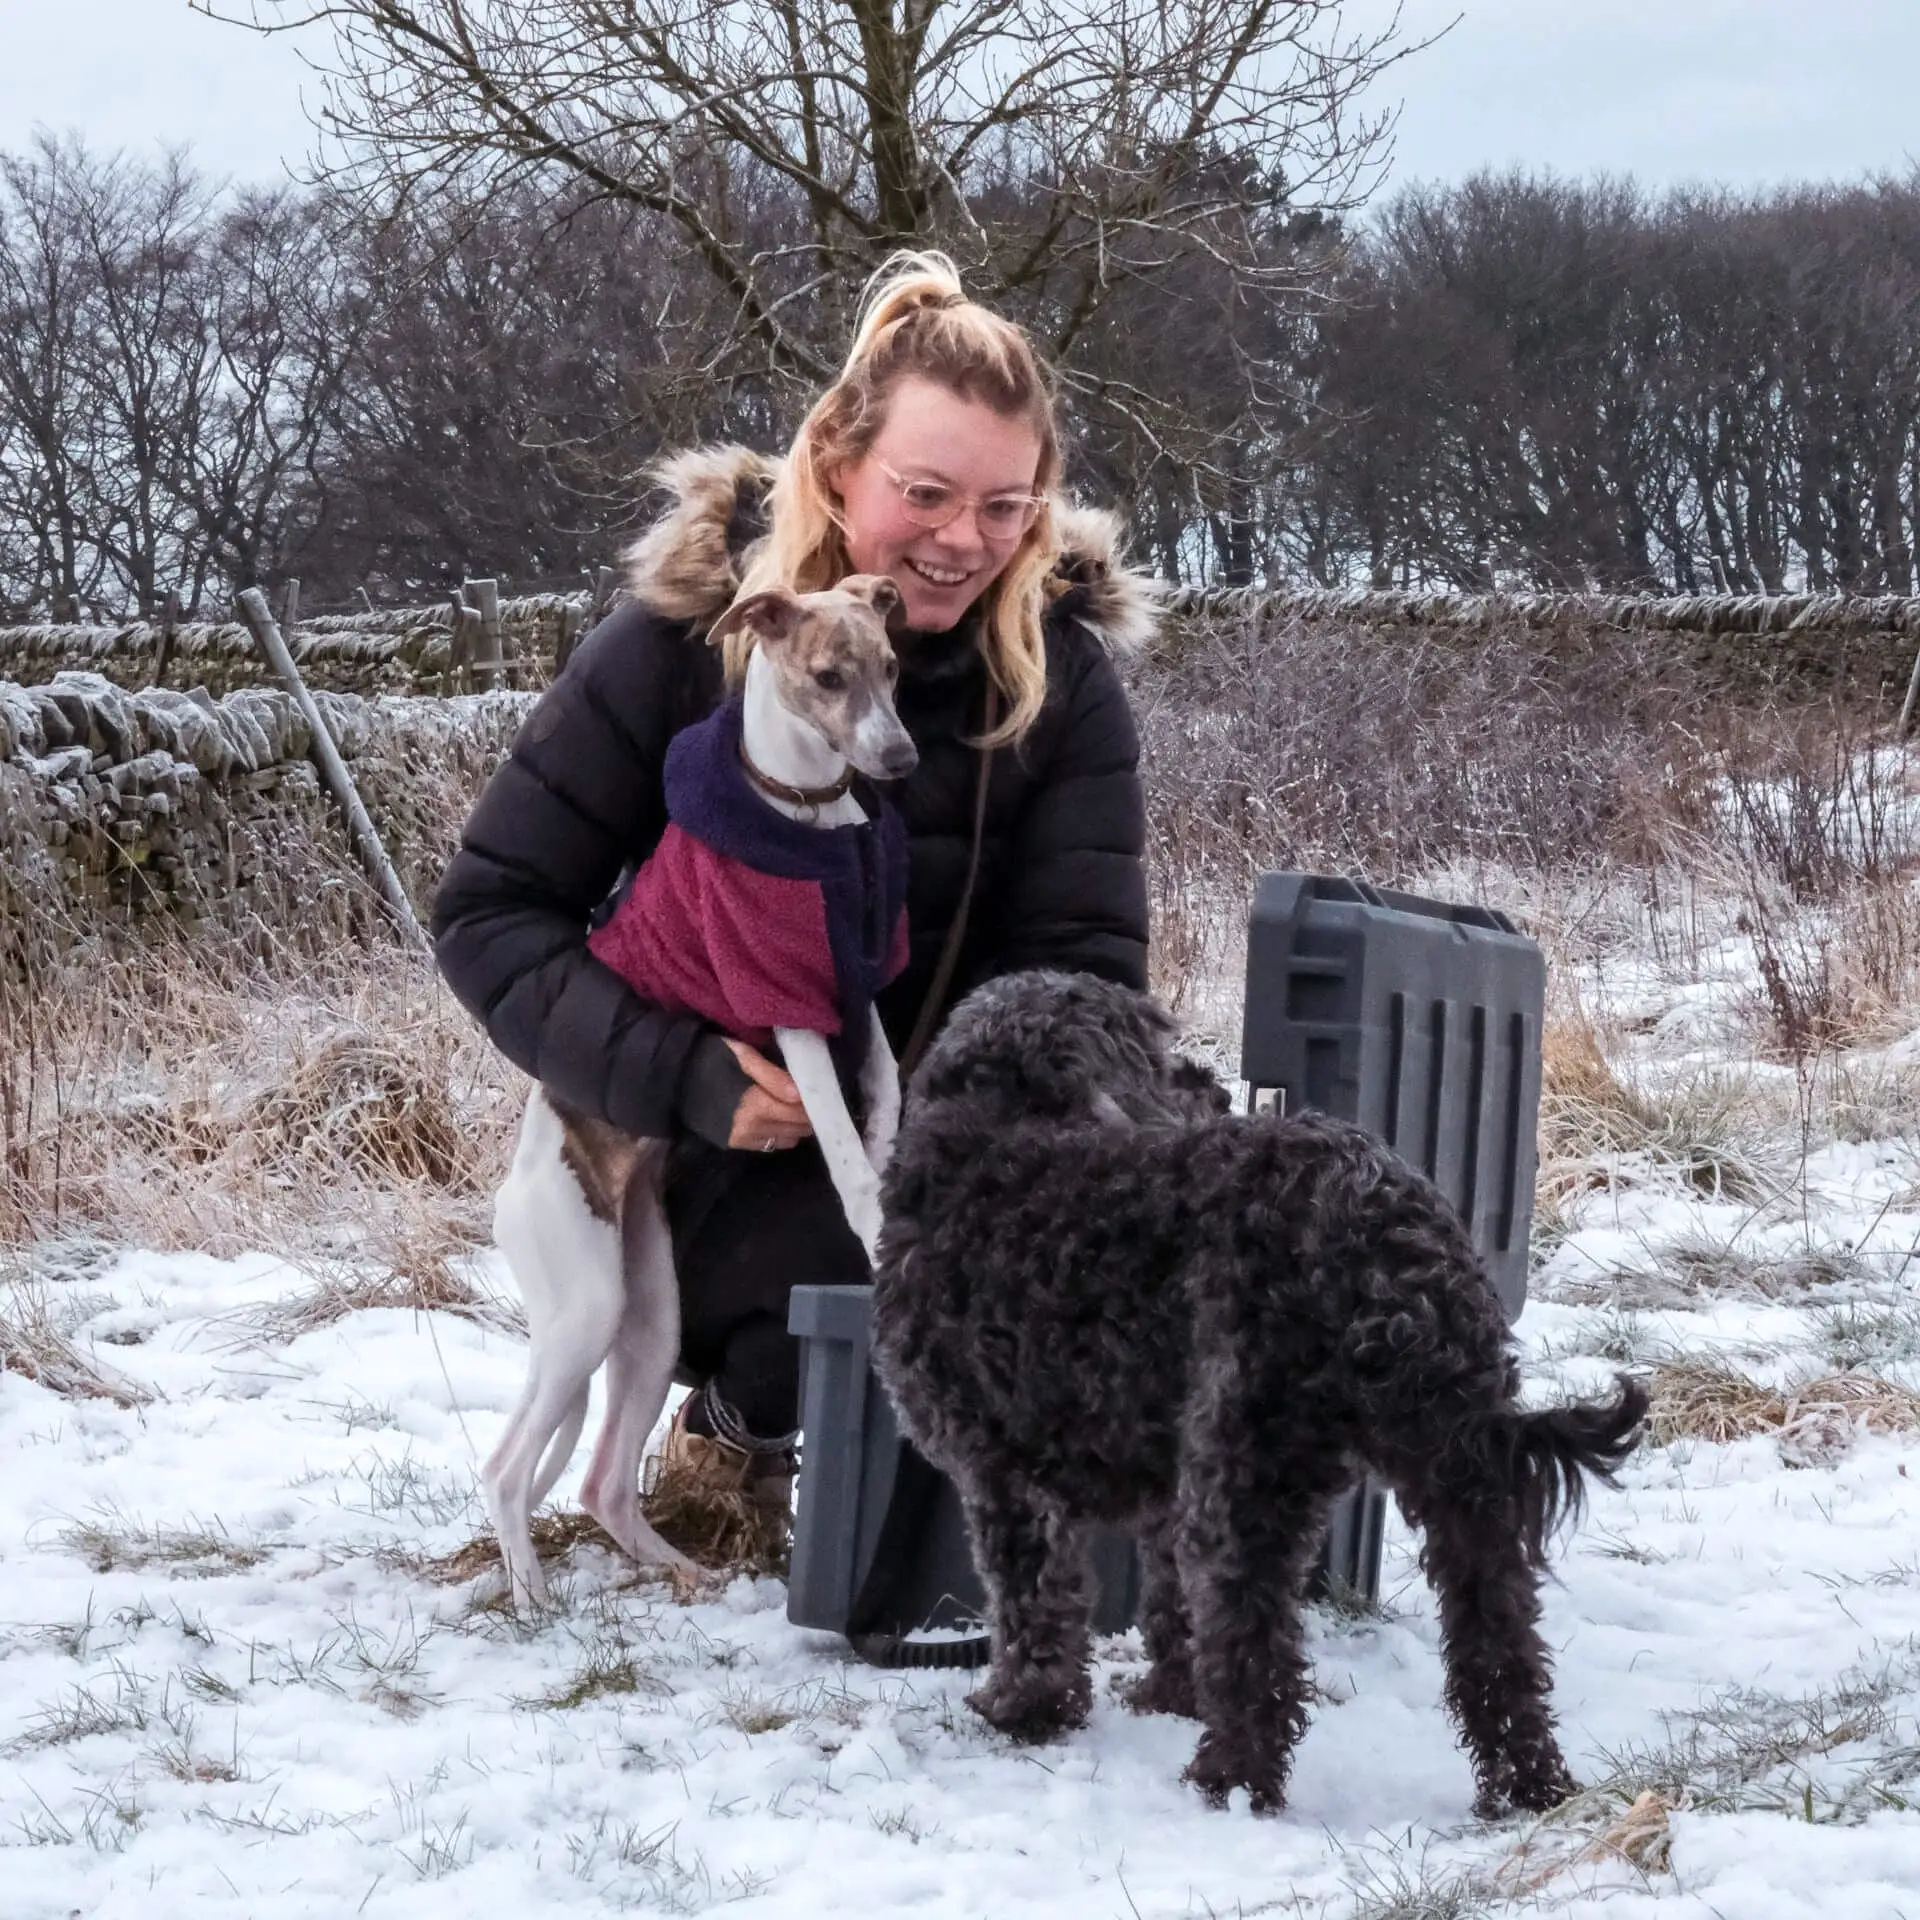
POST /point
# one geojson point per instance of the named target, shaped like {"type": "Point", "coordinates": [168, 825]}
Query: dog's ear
{"type": "Point", "coordinates": [1193, 1081]}
{"type": "Point", "coordinates": [771, 617]}
{"type": "Point", "coordinates": [881, 594]}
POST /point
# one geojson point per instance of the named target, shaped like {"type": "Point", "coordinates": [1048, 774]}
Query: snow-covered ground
{"type": "Point", "coordinates": [228, 1684]}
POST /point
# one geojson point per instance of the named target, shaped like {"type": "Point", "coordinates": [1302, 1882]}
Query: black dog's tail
{"type": "Point", "coordinates": [1540, 1460]}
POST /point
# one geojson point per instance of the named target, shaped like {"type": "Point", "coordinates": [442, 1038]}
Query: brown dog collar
{"type": "Point", "coordinates": [797, 796]}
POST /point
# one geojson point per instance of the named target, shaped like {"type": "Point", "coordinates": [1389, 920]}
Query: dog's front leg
{"type": "Point", "coordinates": [880, 1093]}
{"type": "Point", "coordinates": [1039, 1598]}
{"type": "Point", "coordinates": [1168, 1685]}
{"type": "Point", "coordinates": [854, 1179]}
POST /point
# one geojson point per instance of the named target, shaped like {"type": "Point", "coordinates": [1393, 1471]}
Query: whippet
{"type": "Point", "coordinates": [579, 1216]}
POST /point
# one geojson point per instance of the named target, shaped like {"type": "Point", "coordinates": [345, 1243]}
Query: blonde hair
{"type": "Point", "coordinates": [917, 322]}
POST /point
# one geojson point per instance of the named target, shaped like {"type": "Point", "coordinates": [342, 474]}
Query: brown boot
{"type": "Point", "coordinates": [726, 1506]}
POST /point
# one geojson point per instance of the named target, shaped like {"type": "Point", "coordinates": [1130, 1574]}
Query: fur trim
{"type": "Point", "coordinates": [1120, 603]}
{"type": "Point", "coordinates": [689, 563]}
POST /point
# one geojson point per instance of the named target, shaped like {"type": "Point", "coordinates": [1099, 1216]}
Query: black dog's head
{"type": "Point", "coordinates": [1064, 1047]}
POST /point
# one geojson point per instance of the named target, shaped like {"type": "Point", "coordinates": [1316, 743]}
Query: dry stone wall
{"type": "Point", "coordinates": [405, 650]}
{"type": "Point", "coordinates": [1864, 644]}
{"type": "Point", "coordinates": [1859, 645]}
{"type": "Point", "coordinates": [118, 809]}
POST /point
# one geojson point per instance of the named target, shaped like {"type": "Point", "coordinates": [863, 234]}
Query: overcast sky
{"type": "Point", "coordinates": [1742, 91]}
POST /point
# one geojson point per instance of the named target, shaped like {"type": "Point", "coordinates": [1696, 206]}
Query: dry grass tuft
{"type": "Point", "coordinates": [1696, 1400]}
{"type": "Point", "coordinates": [1815, 1421]}
{"type": "Point", "coordinates": [1710, 1130]}
{"type": "Point", "coordinates": [201, 1095]}
{"type": "Point", "coordinates": [1576, 1078]}
{"type": "Point", "coordinates": [555, 1536]}
{"type": "Point", "coordinates": [370, 1105]}
{"type": "Point", "coordinates": [1686, 1272]}
{"type": "Point", "coordinates": [1642, 1837]}
{"type": "Point", "coordinates": [1844, 974]}
{"type": "Point", "coordinates": [719, 1528]}
{"type": "Point", "coordinates": [357, 1287]}
{"type": "Point", "coordinates": [1874, 1099]}
{"type": "Point", "coordinates": [111, 1545]}
{"type": "Point", "coordinates": [32, 1343]}
{"type": "Point", "coordinates": [605, 1673]}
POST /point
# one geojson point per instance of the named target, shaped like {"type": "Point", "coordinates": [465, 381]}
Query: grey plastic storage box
{"type": "Point", "coordinates": [1421, 1022]}
{"type": "Point", "coordinates": [1418, 1020]}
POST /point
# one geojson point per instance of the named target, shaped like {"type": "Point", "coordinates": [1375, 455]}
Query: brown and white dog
{"type": "Point", "coordinates": [579, 1216]}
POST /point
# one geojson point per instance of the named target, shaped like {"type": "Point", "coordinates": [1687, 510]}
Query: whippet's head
{"type": "Point", "coordinates": [834, 666]}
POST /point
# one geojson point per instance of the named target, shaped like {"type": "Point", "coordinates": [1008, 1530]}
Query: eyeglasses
{"type": "Point", "coordinates": [933, 504]}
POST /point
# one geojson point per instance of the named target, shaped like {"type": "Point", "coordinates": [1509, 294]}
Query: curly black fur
{"type": "Point", "coordinates": [1103, 1298]}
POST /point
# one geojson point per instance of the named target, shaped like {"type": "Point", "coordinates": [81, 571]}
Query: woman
{"type": "Point", "coordinates": [934, 458]}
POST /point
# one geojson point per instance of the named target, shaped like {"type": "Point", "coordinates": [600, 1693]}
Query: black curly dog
{"type": "Point", "coordinates": [1103, 1298]}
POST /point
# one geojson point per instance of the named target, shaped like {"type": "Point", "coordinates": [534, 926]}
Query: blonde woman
{"type": "Point", "coordinates": [935, 457]}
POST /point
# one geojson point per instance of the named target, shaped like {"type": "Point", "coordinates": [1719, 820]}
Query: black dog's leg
{"type": "Point", "coordinates": [1040, 1599]}
{"type": "Point", "coordinates": [1168, 1686]}
{"type": "Point", "coordinates": [1253, 1506]}
{"type": "Point", "coordinates": [1498, 1668]}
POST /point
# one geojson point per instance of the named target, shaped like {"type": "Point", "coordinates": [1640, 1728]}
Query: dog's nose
{"type": "Point", "coordinates": [901, 760]}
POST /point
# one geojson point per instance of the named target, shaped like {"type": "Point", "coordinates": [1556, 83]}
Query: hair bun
{"type": "Point", "coordinates": [905, 284]}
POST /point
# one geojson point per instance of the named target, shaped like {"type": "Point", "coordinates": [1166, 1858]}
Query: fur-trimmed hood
{"type": "Point", "coordinates": [688, 564]}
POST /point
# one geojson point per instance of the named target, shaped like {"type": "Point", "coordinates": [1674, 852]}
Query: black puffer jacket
{"type": "Point", "coordinates": [1061, 881]}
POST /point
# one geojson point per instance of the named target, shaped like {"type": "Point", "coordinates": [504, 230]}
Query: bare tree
{"type": "Point", "coordinates": [1569, 385]}
{"type": "Point", "coordinates": [1060, 149]}
{"type": "Point", "coordinates": [170, 363]}
{"type": "Point", "coordinates": [46, 296]}
{"type": "Point", "coordinates": [143, 233]}
{"type": "Point", "coordinates": [286, 314]}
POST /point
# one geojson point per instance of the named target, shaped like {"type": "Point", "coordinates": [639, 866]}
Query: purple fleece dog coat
{"type": "Point", "coordinates": [754, 921]}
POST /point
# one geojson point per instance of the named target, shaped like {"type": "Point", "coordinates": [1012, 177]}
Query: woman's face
{"type": "Point", "coordinates": [933, 434]}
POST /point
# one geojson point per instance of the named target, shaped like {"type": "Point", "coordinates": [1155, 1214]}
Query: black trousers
{"type": "Point", "coordinates": [747, 1229]}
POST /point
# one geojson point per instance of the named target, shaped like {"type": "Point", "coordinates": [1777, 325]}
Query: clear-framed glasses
{"type": "Point", "coordinates": [933, 504]}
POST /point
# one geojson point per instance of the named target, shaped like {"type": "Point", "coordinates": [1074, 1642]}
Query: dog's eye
{"type": "Point", "coordinates": [830, 680]}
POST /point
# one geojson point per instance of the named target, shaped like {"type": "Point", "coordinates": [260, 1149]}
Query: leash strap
{"type": "Point", "coordinates": [934, 1004]}
{"type": "Point", "coordinates": [916, 1483]}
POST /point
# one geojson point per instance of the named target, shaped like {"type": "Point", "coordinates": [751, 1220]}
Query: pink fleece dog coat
{"type": "Point", "coordinates": [754, 921]}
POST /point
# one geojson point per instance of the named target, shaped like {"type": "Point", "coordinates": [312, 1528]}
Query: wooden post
{"type": "Point", "coordinates": [603, 585]}
{"type": "Point", "coordinates": [366, 599]}
{"type": "Point", "coordinates": [258, 616]}
{"type": "Point", "coordinates": [466, 633]}
{"type": "Point", "coordinates": [572, 618]}
{"type": "Point", "coordinates": [290, 611]}
{"type": "Point", "coordinates": [489, 660]}
{"type": "Point", "coordinates": [169, 629]}
{"type": "Point", "coordinates": [1913, 695]}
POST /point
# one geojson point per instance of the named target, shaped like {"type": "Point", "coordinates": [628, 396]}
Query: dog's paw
{"type": "Point", "coordinates": [1537, 1789]}
{"type": "Point", "coordinates": [1032, 1707]}
{"type": "Point", "coordinates": [1165, 1688]}
{"type": "Point", "coordinates": [1220, 1764]}
{"type": "Point", "coordinates": [689, 1585]}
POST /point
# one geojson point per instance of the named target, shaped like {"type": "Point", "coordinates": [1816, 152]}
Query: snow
{"type": "Point", "coordinates": [226, 1680]}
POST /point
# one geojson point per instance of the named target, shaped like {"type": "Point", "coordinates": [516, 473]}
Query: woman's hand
{"type": "Point", "coordinates": [769, 1114]}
